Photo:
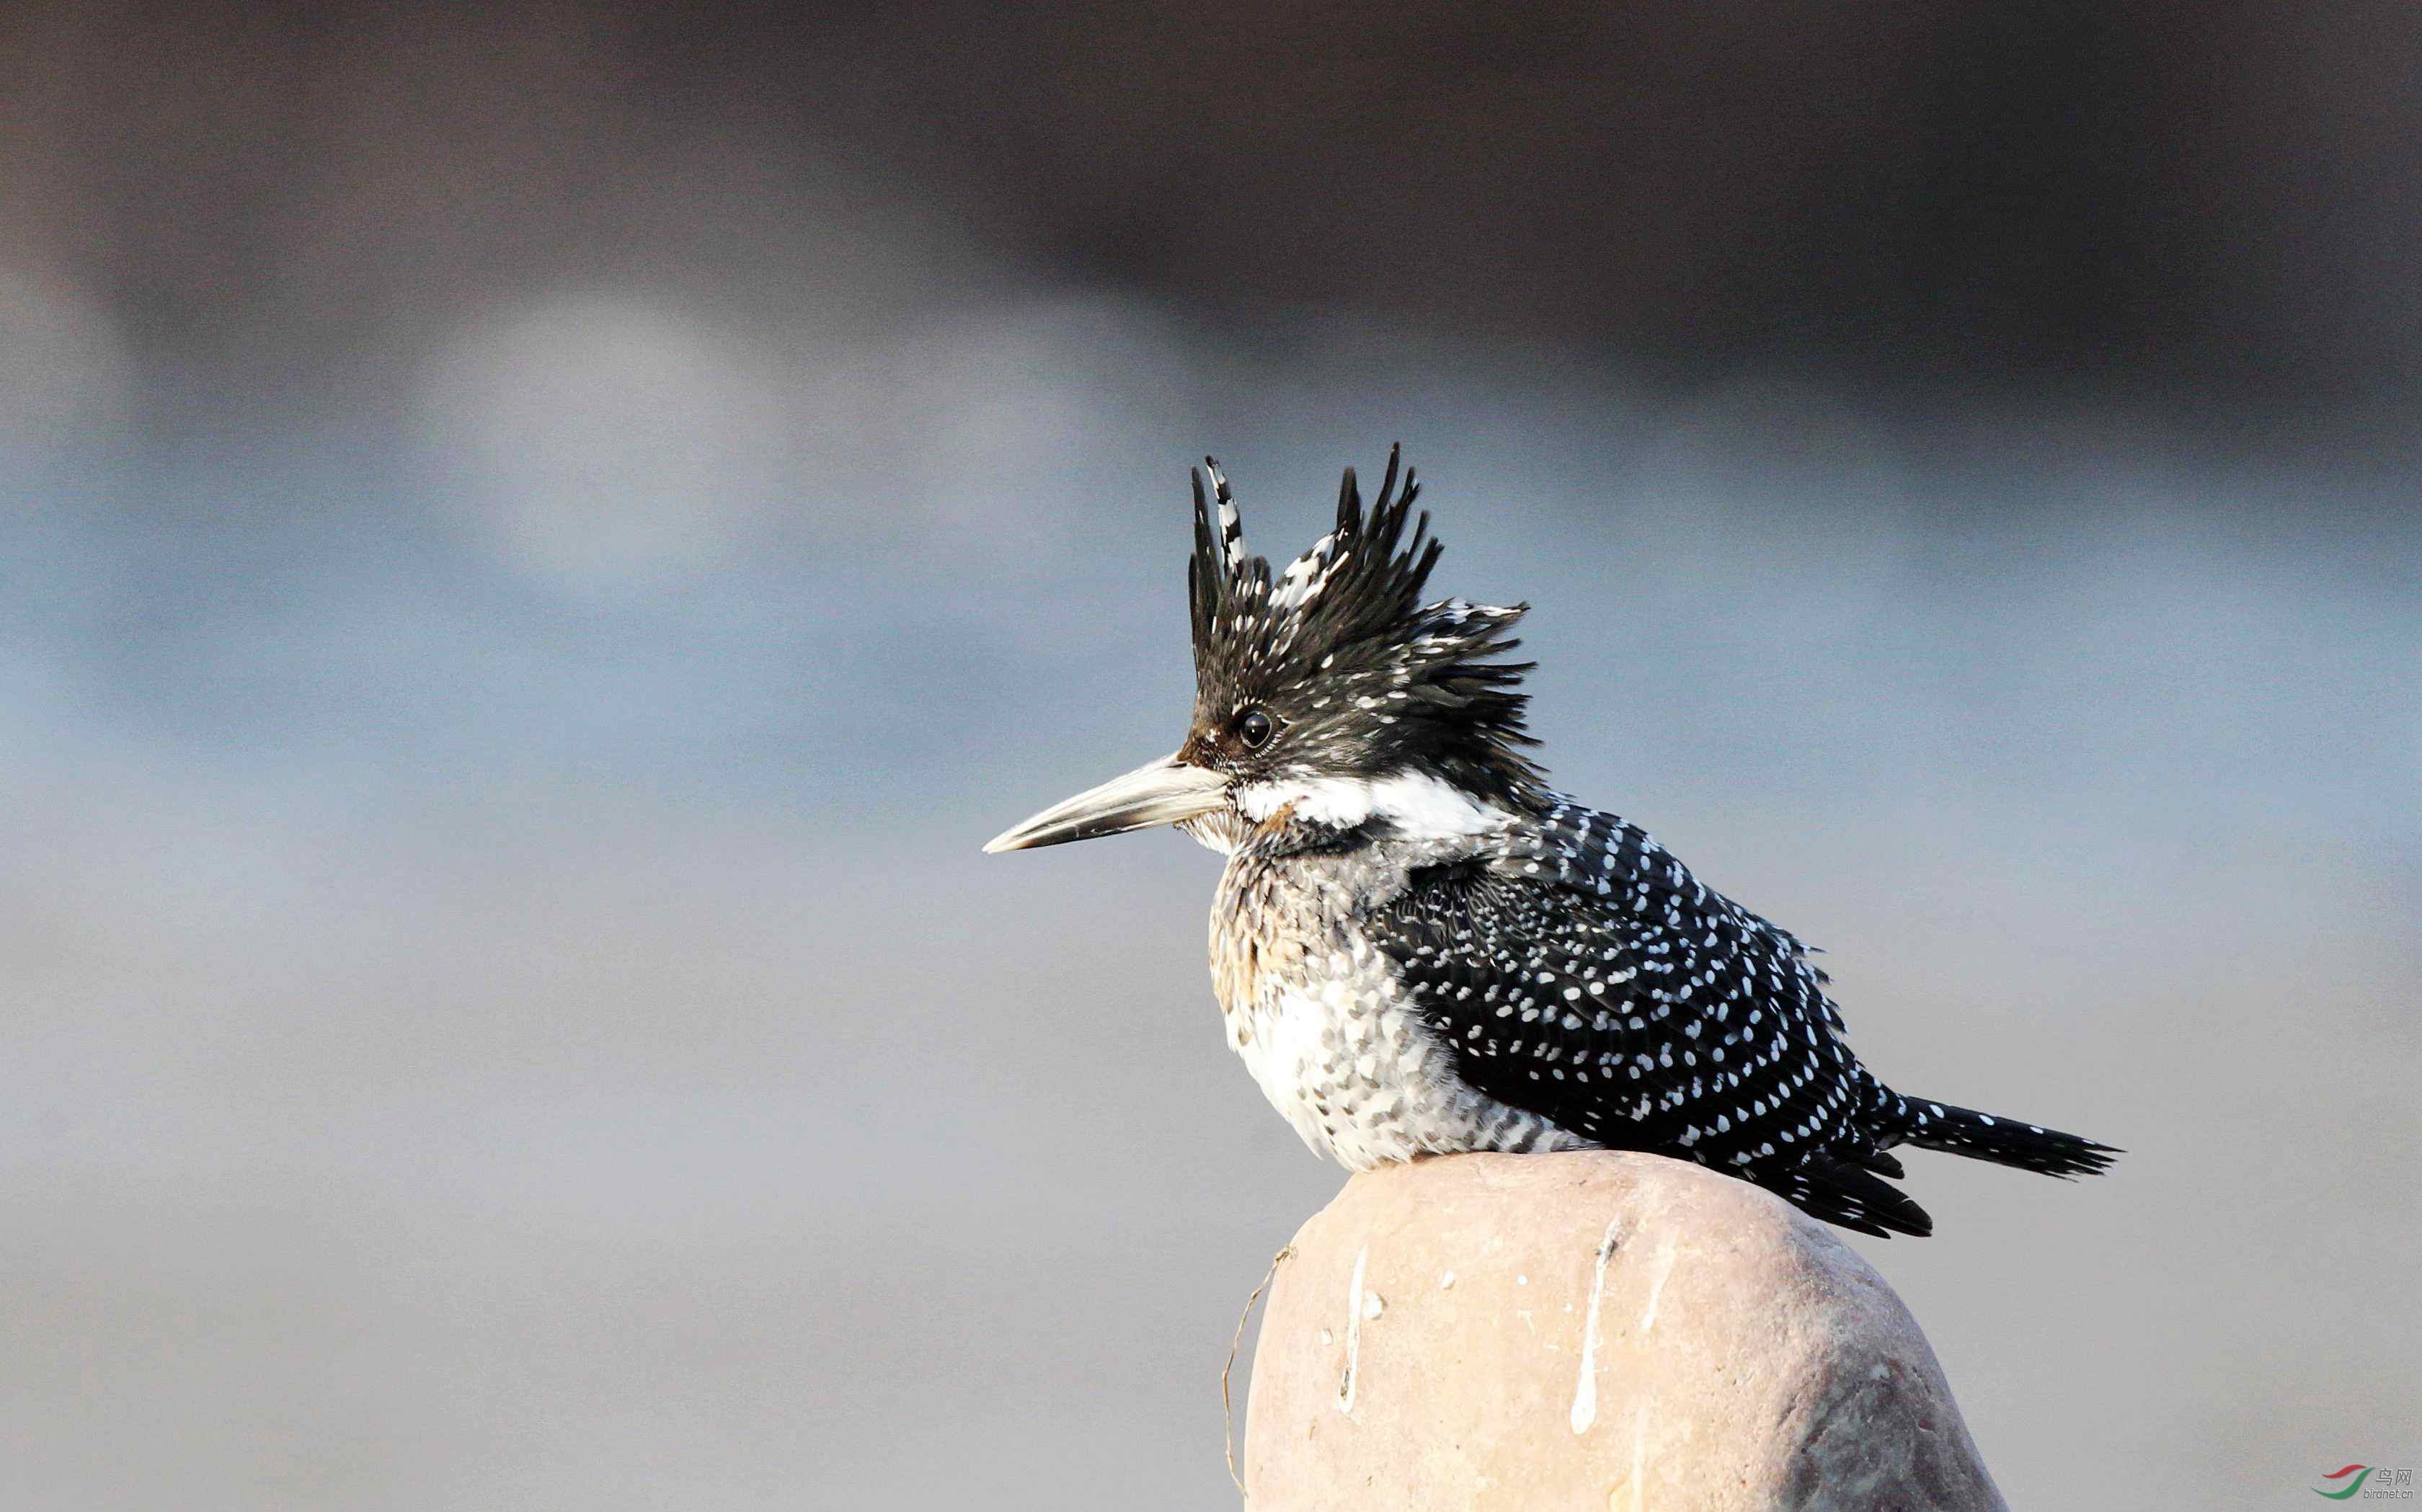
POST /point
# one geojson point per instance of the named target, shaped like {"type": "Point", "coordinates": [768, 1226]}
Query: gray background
{"type": "Point", "coordinates": [535, 550]}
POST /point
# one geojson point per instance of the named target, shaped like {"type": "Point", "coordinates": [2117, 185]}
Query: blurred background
{"type": "Point", "coordinates": [537, 546]}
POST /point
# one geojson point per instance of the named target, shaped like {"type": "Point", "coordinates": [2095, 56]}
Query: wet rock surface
{"type": "Point", "coordinates": [1599, 1330]}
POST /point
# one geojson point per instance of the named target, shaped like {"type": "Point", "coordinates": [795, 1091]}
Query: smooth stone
{"type": "Point", "coordinates": [1623, 1332]}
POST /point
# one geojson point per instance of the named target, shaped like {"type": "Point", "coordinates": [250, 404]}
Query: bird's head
{"type": "Point", "coordinates": [1329, 696]}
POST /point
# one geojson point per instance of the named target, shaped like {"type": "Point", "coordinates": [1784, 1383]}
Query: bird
{"type": "Point", "coordinates": [1421, 948]}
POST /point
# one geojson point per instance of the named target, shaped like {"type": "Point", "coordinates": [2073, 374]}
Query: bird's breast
{"type": "Point", "coordinates": [1317, 1012]}
{"type": "Point", "coordinates": [1263, 931]}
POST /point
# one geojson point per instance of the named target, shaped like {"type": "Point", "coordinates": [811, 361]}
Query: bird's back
{"type": "Point", "coordinates": [1578, 967]}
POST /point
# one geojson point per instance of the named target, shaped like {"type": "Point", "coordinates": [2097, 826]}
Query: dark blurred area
{"type": "Point", "coordinates": [2186, 206]}
{"type": "Point", "coordinates": [536, 543]}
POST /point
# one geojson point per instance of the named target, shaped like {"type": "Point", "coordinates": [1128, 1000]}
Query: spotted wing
{"type": "Point", "coordinates": [1577, 970]}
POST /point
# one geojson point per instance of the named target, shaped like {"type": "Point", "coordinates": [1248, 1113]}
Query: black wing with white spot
{"type": "Point", "coordinates": [1579, 972]}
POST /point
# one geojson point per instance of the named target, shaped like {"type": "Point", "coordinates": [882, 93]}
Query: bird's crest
{"type": "Point", "coordinates": [1342, 648]}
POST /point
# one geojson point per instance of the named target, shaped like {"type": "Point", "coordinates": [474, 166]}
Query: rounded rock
{"type": "Point", "coordinates": [1623, 1330]}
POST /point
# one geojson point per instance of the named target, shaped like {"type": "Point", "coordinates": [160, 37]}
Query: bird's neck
{"type": "Point", "coordinates": [1410, 803]}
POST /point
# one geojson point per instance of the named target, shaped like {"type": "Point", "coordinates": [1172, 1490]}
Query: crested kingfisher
{"type": "Point", "coordinates": [1420, 948]}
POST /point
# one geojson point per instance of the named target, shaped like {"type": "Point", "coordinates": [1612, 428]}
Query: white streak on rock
{"type": "Point", "coordinates": [1657, 1287]}
{"type": "Point", "coordinates": [1585, 1389]}
{"type": "Point", "coordinates": [1346, 1388]}
{"type": "Point", "coordinates": [1639, 1450]}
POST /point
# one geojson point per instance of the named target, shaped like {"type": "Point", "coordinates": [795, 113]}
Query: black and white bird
{"type": "Point", "coordinates": [1421, 949]}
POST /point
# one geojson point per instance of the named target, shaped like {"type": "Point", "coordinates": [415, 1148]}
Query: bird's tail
{"type": "Point", "coordinates": [1933, 1125]}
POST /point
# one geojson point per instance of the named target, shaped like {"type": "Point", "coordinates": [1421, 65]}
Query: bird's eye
{"type": "Point", "coordinates": [1255, 728]}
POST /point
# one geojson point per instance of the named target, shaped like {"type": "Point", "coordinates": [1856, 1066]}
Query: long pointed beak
{"type": "Point", "coordinates": [1157, 793]}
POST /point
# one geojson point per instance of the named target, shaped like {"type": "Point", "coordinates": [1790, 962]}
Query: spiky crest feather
{"type": "Point", "coordinates": [1363, 676]}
